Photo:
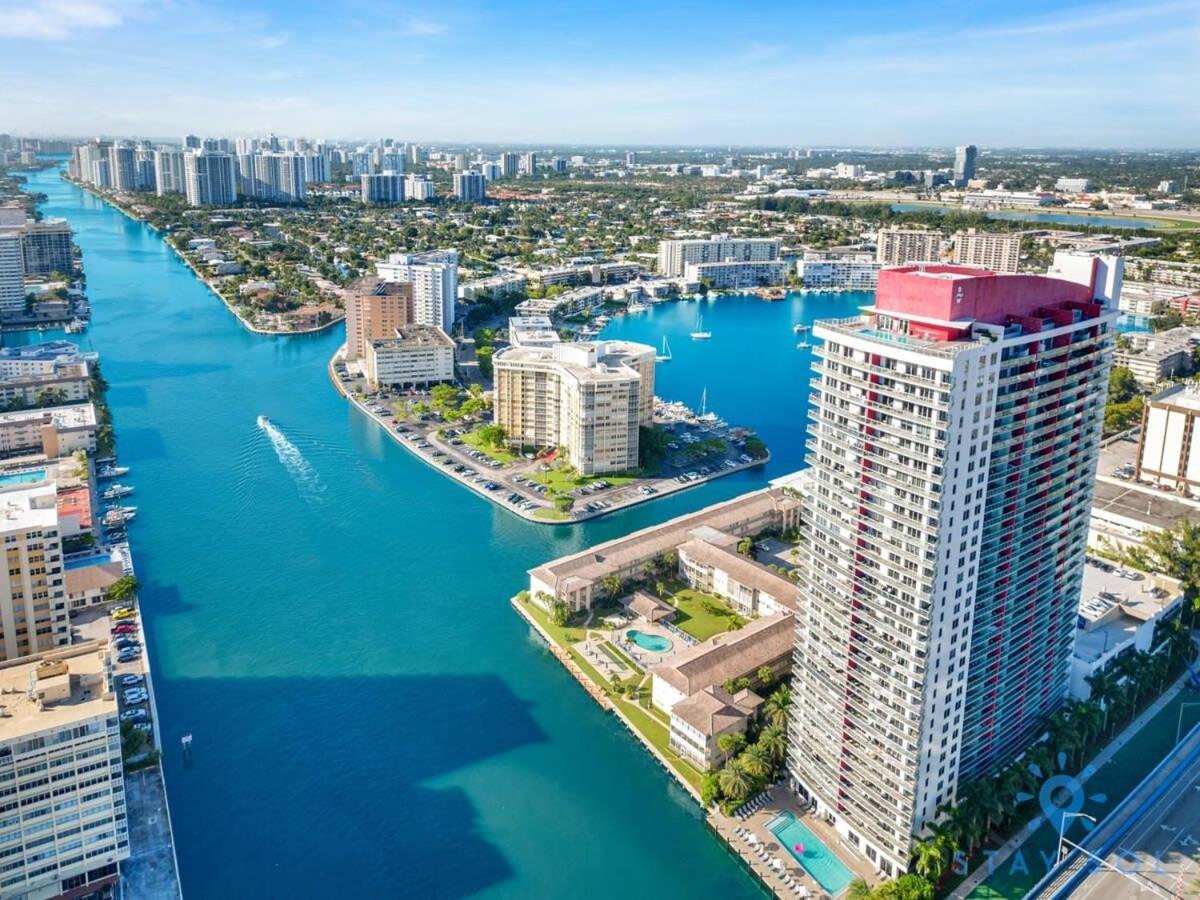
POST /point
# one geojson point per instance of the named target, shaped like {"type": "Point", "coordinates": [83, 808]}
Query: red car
{"type": "Point", "coordinates": [124, 628]}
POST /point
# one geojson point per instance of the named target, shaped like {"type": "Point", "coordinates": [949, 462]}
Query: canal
{"type": "Point", "coordinates": [328, 616]}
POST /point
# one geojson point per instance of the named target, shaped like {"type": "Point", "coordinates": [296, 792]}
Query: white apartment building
{"type": "Point", "coordinates": [418, 187]}
{"type": "Point", "coordinates": [528, 164]}
{"type": "Point", "coordinates": [415, 355]}
{"type": "Point", "coordinates": [63, 826]}
{"type": "Point", "coordinates": [898, 246]}
{"type": "Point", "coordinates": [470, 186]}
{"type": "Point", "coordinates": [674, 256]}
{"type": "Point", "coordinates": [33, 602]}
{"type": "Point", "coordinates": [1073, 185]}
{"type": "Point", "coordinates": [387, 187]}
{"type": "Point", "coordinates": [279, 177]}
{"type": "Point", "coordinates": [121, 167]}
{"type": "Point", "coordinates": [434, 277]}
{"type": "Point", "coordinates": [169, 172]}
{"type": "Point", "coordinates": [954, 434]}
{"type": "Point", "coordinates": [509, 164]}
{"type": "Point", "coordinates": [44, 359]}
{"type": "Point", "coordinates": [12, 273]}
{"type": "Point", "coordinates": [587, 399]}
{"type": "Point", "coordinates": [210, 178]}
{"type": "Point", "coordinates": [1103, 271]}
{"type": "Point", "coordinates": [998, 251]}
{"type": "Point", "coordinates": [1156, 357]}
{"type": "Point", "coordinates": [532, 331]}
{"type": "Point", "coordinates": [737, 275]}
{"type": "Point", "coordinates": [838, 271]}
{"type": "Point", "coordinates": [501, 285]}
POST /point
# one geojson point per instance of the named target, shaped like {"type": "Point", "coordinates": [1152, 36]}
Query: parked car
{"type": "Point", "coordinates": [129, 680]}
{"type": "Point", "coordinates": [123, 612]}
{"type": "Point", "coordinates": [135, 715]}
{"type": "Point", "coordinates": [124, 628]}
{"type": "Point", "coordinates": [129, 655]}
{"type": "Point", "coordinates": [137, 695]}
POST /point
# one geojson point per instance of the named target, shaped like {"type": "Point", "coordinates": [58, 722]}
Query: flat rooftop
{"type": "Point", "coordinates": [1146, 506]}
{"type": "Point", "coordinates": [409, 337]}
{"type": "Point", "coordinates": [25, 506]}
{"type": "Point", "coordinates": [1114, 602]}
{"type": "Point", "coordinates": [81, 415]}
{"type": "Point", "coordinates": [70, 696]}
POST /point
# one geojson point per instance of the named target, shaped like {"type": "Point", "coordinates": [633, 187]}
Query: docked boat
{"type": "Point", "coordinates": [112, 472]}
{"type": "Point", "coordinates": [76, 326]}
{"type": "Point", "coordinates": [803, 345]}
{"type": "Point", "coordinates": [114, 509]}
{"type": "Point", "coordinates": [700, 334]}
{"type": "Point", "coordinates": [116, 518]}
{"type": "Point", "coordinates": [665, 355]}
{"type": "Point", "coordinates": [105, 460]}
{"type": "Point", "coordinates": [636, 308]}
{"type": "Point", "coordinates": [116, 492]}
{"type": "Point", "coordinates": [800, 328]}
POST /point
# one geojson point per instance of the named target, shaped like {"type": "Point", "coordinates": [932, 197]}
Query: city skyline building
{"type": "Point", "coordinates": [210, 178]}
{"type": "Point", "coordinates": [954, 434]}
{"type": "Point", "coordinates": [964, 164]}
{"type": "Point", "coordinates": [434, 277]}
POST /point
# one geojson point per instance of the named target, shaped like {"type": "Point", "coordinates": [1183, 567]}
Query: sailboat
{"type": "Point", "coordinates": [700, 334]}
{"type": "Point", "coordinates": [665, 355]}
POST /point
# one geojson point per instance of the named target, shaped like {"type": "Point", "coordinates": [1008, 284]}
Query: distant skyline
{"type": "Point", "coordinates": [917, 74]}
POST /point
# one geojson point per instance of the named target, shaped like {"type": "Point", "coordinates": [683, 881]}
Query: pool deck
{"type": "Point", "coordinates": [784, 801]}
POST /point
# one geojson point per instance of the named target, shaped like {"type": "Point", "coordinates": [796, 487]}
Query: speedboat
{"type": "Point", "coordinates": [116, 492]}
{"type": "Point", "coordinates": [112, 472]}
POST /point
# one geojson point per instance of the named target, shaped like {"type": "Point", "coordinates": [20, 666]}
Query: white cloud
{"type": "Point", "coordinates": [273, 41]}
{"type": "Point", "coordinates": [424, 28]}
{"type": "Point", "coordinates": [58, 19]}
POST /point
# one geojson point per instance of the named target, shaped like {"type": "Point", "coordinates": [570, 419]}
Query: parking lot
{"type": "Point", "coordinates": [514, 485]}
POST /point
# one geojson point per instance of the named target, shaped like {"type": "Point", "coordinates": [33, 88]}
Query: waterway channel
{"type": "Point", "coordinates": [327, 615]}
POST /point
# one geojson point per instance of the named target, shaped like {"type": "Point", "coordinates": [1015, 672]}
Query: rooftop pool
{"type": "Point", "coordinates": [807, 849]}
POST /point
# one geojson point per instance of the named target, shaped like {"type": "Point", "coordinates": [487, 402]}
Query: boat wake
{"type": "Point", "coordinates": [290, 456]}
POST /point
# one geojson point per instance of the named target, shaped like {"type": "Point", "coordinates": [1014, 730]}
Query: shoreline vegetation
{"type": "Point", "coordinates": [208, 283]}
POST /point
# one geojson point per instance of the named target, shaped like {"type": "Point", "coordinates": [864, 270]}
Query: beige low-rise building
{"type": "Point", "coordinates": [575, 579]}
{"type": "Point", "coordinates": [709, 562]}
{"type": "Point", "coordinates": [67, 384]}
{"type": "Point", "coordinates": [89, 585]}
{"type": "Point", "coordinates": [52, 431]}
{"type": "Point", "coordinates": [1156, 357]}
{"type": "Point", "coordinates": [699, 721]}
{"type": "Point", "coordinates": [765, 642]}
{"type": "Point", "coordinates": [413, 355]}
{"type": "Point", "coordinates": [587, 399]}
{"type": "Point", "coordinates": [63, 825]}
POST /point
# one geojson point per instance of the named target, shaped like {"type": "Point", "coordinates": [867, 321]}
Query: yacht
{"type": "Point", "coordinates": [116, 492]}
{"type": "Point", "coordinates": [700, 334]}
{"type": "Point", "coordinates": [112, 472]}
{"type": "Point", "coordinates": [636, 308]}
{"type": "Point", "coordinates": [665, 355]}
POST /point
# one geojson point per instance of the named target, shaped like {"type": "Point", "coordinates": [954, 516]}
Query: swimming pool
{"type": "Point", "coordinates": [22, 478]}
{"type": "Point", "coordinates": [817, 859]}
{"type": "Point", "coordinates": [652, 642]}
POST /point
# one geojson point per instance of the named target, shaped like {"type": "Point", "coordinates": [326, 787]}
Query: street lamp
{"type": "Point", "coordinates": [1179, 726]}
{"type": "Point", "coordinates": [1062, 828]}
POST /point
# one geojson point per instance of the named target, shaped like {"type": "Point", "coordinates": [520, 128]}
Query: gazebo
{"type": "Point", "coordinates": [649, 607]}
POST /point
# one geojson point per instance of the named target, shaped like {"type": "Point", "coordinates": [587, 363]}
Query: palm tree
{"type": "Point", "coordinates": [754, 762]}
{"type": "Point", "coordinates": [611, 585]}
{"type": "Point", "coordinates": [1104, 689]}
{"type": "Point", "coordinates": [1087, 718]}
{"type": "Point", "coordinates": [776, 707]}
{"type": "Point", "coordinates": [1042, 757]}
{"type": "Point", "coordinates": [1179, 643]}
{"type": "Point", "coordinates": [764, 674]}
{"type": "Point", "coordinates": [773, 741]}
{"type": "Point", "coordinates": [991, 804]}
{"type": "Point", "coordinates": [734, 783]}
{"type": "Point", "coordinates": [929, 859]}
{"type": "Point", "coordinates": [731, 743]}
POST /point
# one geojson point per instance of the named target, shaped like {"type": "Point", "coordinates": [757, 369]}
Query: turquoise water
{"type": "Point", "coordinates": [652, 642]}
{"type": "Point", "coordinates": [22, 478]}
{"type": "Point", "coordinates": [818, 861]}
{"type": "Point", "coordinates": [1057, 218]}
{"type": "Point", "coordinates": [328, 616]}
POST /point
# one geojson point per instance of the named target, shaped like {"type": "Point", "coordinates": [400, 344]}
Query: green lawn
{"type": "Point", "coordinates": [699, 622]}
{"type": "Point", "coordinates": [650, 724]}
{"type": "Point", "coordinates": [562, 480]}
{"type": "Point", "coordinates": [471, 439]}
{"type": "Point", "coordinates": [551, 515]}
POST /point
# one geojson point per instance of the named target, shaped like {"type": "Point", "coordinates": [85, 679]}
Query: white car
{"type": "Point", "coordinates": [134, 715]}
{"type": "Point", "coordinates": [130, 680]}
{"type": "Point", "coordinates": [136, 695]}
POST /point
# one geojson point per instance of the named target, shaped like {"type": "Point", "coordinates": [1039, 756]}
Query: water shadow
{"type": "Point", "coordinates": [342, 793]}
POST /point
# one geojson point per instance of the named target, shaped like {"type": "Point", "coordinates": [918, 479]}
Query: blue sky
{"type": "Point", "coordinates": [900, 72]}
